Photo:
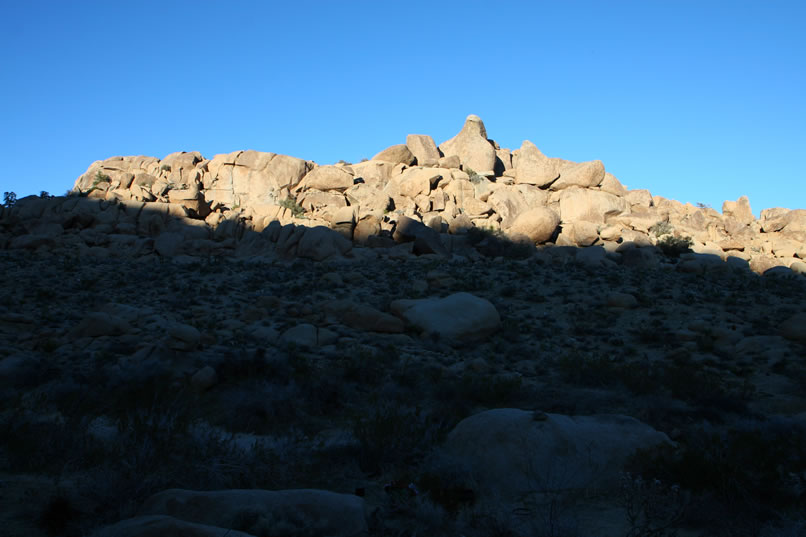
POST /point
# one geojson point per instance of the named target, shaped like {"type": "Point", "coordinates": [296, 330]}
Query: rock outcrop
{"type": "Point", "coordinates": [472, 147]}
{"type": "Point", "coordinates": [251, 203]}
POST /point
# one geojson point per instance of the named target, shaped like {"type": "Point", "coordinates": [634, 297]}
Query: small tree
{"type": "Point", "coordinates": [9, 199]}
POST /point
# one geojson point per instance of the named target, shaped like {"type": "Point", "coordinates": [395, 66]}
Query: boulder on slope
{"type": "Point", "coordinates": [539, 224]}
{"type": "Point", "coordinates": [457, 319]}
{"type": "Point", "coordinates": [512, 453]}
{"type": "Point", "coordinates": [399, 154]}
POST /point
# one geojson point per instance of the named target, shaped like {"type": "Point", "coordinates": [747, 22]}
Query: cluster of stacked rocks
{"type": "Point", "coordinates": [186, 204]}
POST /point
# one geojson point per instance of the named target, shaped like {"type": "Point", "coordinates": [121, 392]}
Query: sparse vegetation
{"type": "Point", "coordinates": [100, 177]}
{"type": "Point", "coordinates": [674, 246]}
{"type": "Point", "coordinates": [474, 177]}
{"type": "Point", "coordinates": [661, 228]}
{"type": "Point", "coordinates": [291, 204]}
{"type": "Point", "coordinates": [653, 508]}
{"type": "Point", "coordinates": [755, 470]}
{"type": "Point", "coordinates": [494, 243]}
{"type": "Point", "coordinates": [369, 411]}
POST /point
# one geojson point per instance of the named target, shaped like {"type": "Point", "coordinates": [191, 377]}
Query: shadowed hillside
{"type": "Point", "coordinates": [444, 340]}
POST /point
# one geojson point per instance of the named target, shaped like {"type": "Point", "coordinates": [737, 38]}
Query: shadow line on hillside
{"type": "Point", "coordinates": [169, 230]}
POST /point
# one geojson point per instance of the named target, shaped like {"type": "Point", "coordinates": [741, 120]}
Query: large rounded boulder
{"type": "Point", "coordinates": [539, 224]}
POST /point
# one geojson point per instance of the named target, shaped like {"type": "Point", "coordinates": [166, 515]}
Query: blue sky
{"type": "Point", "coordinates": [695, 100]}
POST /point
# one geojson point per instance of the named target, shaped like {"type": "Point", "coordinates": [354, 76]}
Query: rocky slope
{"type": "Point", "coordinates": [255, 345]}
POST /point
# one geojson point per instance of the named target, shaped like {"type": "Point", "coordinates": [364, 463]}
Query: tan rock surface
{"type": "Point", "coordinates": [539, 224]}
{"type": "Point", "coordinates": [424, 149]}
{"type": "Point", "coordinates": [585, 175]}
{"type": "Point", "coordinates": [397, 154]}
{"type": "Point", "coordinates": [327, 178]}
{"type": "Point", "coordinates": [471, 146]}
{"type": "Point", "coordinates": [590, 205]}
{"type": "Point", "coordinates": [533, 167]}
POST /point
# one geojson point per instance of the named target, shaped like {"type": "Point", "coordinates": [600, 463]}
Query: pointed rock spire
{"type": "Point", "coordinates": [472, 147]}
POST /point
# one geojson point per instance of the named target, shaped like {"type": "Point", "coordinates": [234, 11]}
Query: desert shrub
{"type": "Point", "coordinates": [257, 407]}
{"type": "Point", "coordinates": [475, 178]}
{"type": "Point", "coordinates": [654, 333]}
{"type": "Point", "coordinates": [653, 508]}
{"type": "Point", "coordinates": [24, 451]}
{"type": "Point", "coordinates": [395, 437]}
{"type": "Point", "coordinates": [756, 469]}
{"type": "Point", "coordinates": [499, 390]}
{"type": "Point", "coordinates": [447, 482]}
{"type": "Point", "coordinates": [476, 234]}
{"type": "Point", "coordinates": [476, 388]}
{"type": "Point", "coordinates": [685, 380]}
{"type": "Point", "coordinates": [674, 246]}
{"type": "Point", "coordinates": [364, 366]}
{"type": "Point", "coordinates": [499, 521]}
{"type": "Point", "coordinates": [291, 204]}
{"type": "Point", "coordinates": [59, 515]}
{"type": "Point", "coordinates": [589, 370]}
{"type": "Point", "coordinates": [494, 243]}
{"type": "Point", "coordinates": [661, 228]}
{"type": "Point", "coordinates": [255, 365]}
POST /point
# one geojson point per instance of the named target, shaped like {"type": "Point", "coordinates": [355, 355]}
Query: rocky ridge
{"type": "Point", "coordinates": [250, 202]}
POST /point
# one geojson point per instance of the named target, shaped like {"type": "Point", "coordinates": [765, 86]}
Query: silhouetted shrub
{"type": "Point", "coordinates": [494, 243]}
{"type": "Point", "coordinates": [753, 470]}
{"type": "Point", "coordinates": [9, 199]}
{"type": "Point", "coordinates": [392, 436]}
{"type": "Point", "coordinates": [674, 246]}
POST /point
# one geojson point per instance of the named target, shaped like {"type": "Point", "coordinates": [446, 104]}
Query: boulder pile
{"type": "Point", "coordinates": [249, 203]}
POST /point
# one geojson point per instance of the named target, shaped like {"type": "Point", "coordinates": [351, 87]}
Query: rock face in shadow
{"type": "Point", "coordinates": [162, 526]}
{"type": "Point", "coordinates": [224, 512]}
{"type": "Point", "coordinates": [514, 453]}
{"type": "Point", "coordinates": [287, 511]}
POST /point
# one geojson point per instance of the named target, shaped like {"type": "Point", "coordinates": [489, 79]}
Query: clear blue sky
{"type": "Point", "coordinates": [695, 100]}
